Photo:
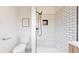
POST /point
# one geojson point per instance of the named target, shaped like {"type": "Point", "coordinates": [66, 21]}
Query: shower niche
{"type": "Point", "coordinates": [45, 22]}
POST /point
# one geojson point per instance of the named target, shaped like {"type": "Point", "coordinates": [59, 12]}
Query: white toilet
{"type": "Point", "coordinates": [20, 48]}
{"type": "Point", "coordinates": [22, 45]}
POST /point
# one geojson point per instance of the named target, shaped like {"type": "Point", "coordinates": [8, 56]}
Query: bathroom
{"type": "Point", "coordinates": [40, 29]}
{"type": "Point", "coordinates": [12, 32]}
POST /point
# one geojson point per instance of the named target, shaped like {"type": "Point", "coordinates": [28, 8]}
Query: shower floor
{"type": "Point", "coordinates": [47, 50]}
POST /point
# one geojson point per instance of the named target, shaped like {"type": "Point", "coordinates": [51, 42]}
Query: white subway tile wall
{"type": "Point", "coordinates": [66, 23]}
{"type": "Point", "coordinates": [70, 23]}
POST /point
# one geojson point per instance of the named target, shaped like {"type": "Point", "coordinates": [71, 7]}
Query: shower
{"type": "Point", "coordinates": [40, 13]}
{"type": "Point", "coordinates": [39, 23]}
{"type": "Point", "coordinates": [52, 30]}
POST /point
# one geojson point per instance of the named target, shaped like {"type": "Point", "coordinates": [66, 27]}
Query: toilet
{"type": "Point", "coordinates": [20, 48]}
{"type": "Point", "coordinates": [22, 45]}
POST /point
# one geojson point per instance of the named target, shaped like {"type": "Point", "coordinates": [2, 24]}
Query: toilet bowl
{"type": "Point", "coordinates": [20, 48]}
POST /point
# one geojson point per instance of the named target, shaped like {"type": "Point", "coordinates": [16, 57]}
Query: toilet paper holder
{"type": "Point", "coordinates": [6, 38]}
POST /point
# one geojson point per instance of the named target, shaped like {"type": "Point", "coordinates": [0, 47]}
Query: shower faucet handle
{"type": "Point", "coordinates": [37, 28]}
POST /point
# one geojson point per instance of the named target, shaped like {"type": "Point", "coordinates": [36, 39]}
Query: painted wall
{"type": "Point", "coordinates": [11, 26]}
{"type": "Point", "coordinates": [8, 28]}
{"type": "Point", "coordinates": [24, 32]}
{"type": "Point", "coordinates": [47, 39]}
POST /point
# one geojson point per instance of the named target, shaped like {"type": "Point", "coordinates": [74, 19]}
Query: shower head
{"type": "Point", "coordinates": [40, 13]}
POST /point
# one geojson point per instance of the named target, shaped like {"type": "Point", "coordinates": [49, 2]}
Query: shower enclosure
{"type": "Point", "coordinates": [53, 27]}
{"type": "Point", "coordinates": [46, 29]}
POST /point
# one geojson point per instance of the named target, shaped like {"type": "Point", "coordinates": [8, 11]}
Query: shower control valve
{"type": "Point", "coordinates": [37, 28]}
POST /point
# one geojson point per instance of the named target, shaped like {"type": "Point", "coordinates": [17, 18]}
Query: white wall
{"type": "Point", "coordinates": [46, 9]}
{"type": "Point", "coordinates": [47, 39]}
{"type": "Point", "coordinates": [65, 27]}
{"type": "Point", "coordinates": [59, 29]}
{"type": "Point", "coordinates": [11, 26]}
{"type": "Point", "coordinates": [8, 28]}
{"type": "Point", "coordinates": [24, 32]}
